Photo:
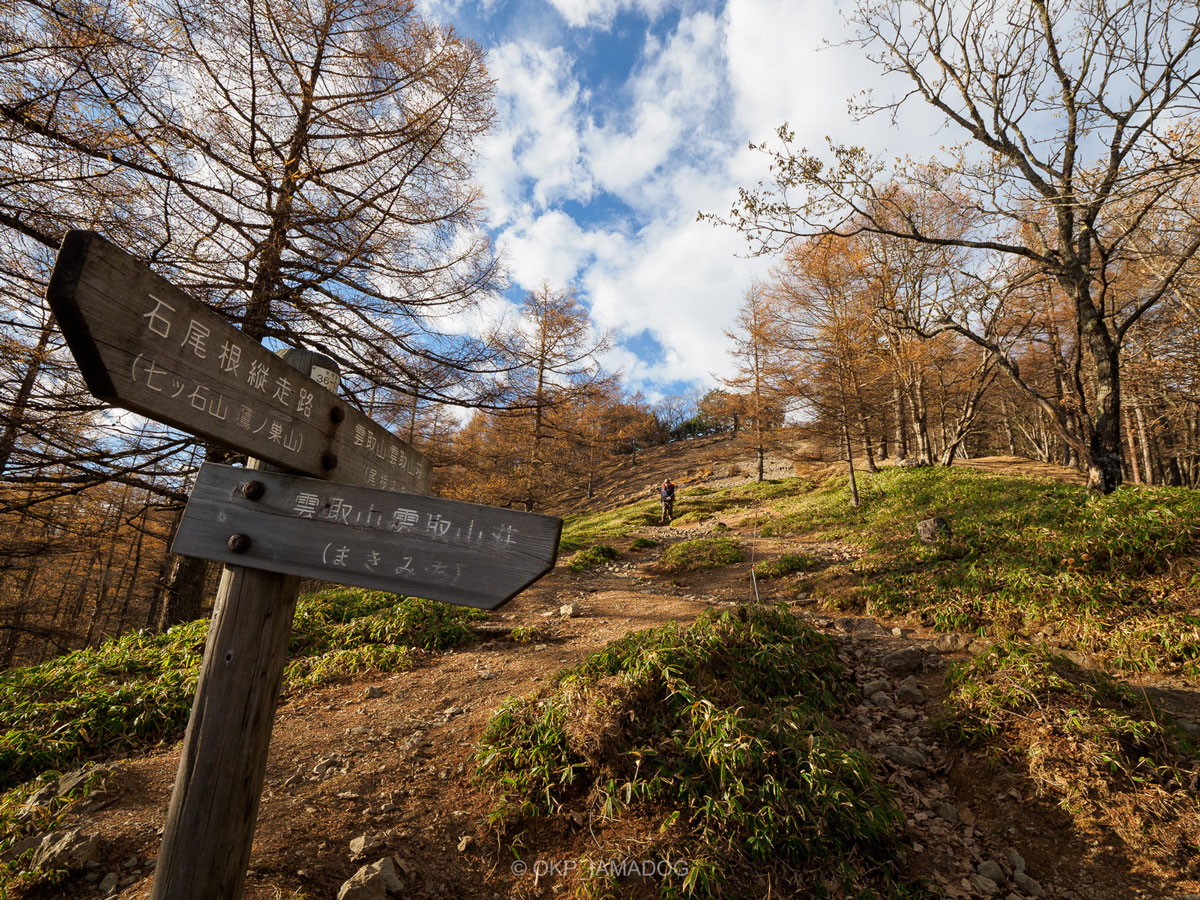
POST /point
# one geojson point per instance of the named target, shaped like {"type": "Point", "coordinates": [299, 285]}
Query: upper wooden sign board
{"type": "Point", "coordinates": [144, 345]}
{"type": "Point", "coordinates": [461, 553]}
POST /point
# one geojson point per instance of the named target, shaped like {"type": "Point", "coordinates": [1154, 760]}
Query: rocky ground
{"type": "Point", "coordinates": [374, 776]}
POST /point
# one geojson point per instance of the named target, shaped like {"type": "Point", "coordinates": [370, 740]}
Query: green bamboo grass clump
{"type": "Point", "coordinates": [711, 743]}
{"type": "Point", "coordinates": [1101, 748]}
{"type": "Point", "coordinates": [592, 558]}
{"type": "Point", "coordinates": [700, 554]}
{"type": "Point", "coordinates": [136, 690]}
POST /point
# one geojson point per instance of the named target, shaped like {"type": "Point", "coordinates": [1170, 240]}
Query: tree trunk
{"type": "Point", "coordinates": [1008, 429]}
{"type": "Point", "coordinates": [868, 451]}
{"type": "Point", "coordinates": [1148, 468]}
{"type": "Point", "coordinates": [900, 435]}
{"type": "Point", "coordinates": [183, 596]}
{"type": "Point", "coordinates": [15, 417]}
{"type": "Point", "coordinates": [850, 462]}
{"type": "Point", "coordinates": [1134, 467]}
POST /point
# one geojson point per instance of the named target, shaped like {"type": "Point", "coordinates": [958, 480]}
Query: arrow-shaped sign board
{"type": "Point", "coordinates": [144, 345]}
{"type": "Point", "coordinates": [461, 553]}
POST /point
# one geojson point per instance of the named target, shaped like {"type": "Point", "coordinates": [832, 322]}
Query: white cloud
{"type": "Point", "coordinates": [601, 13]}
{"type": "Point", "coordinates": [538, 138]}
{"type": "Point", "coordinates": [667, 142]}
{"type": "Point", "coordinates": [676, 94]}
{"type": "Point", "coordinates": [553, 247]}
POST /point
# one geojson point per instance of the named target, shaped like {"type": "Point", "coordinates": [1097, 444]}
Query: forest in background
{"type": "Point", "coordinates": [307, 171]}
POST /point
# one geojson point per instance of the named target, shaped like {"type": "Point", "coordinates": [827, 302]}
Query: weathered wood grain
{"type": "Point", "coordinates": [214, 805]}
{"type": "Point", "coordinates": [460, 553]}
{"type": "Point", "coordinates": [144, 345]}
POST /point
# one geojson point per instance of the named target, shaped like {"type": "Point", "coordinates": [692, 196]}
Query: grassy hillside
{"type": "Point", "coordinates": [137, 690]}
{"type": "Point", "coordinates": [1115, 575]}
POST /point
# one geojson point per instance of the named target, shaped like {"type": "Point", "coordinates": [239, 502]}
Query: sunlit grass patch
{"type": "Point", "coordinates": [787, 564]}
{"type": "Point", "coordinates": [591, 558]}
{"type": "Point", "coordinates": [587, 529]}
{"type": "Point", "coordinates": [137, 689]}
{"type": "Point", "coordinates": [703, 553]}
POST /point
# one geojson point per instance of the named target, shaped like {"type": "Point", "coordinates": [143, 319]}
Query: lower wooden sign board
{"type": "Point", "coordinates": [460, 553]}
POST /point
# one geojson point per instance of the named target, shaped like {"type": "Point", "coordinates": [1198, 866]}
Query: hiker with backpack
{"type": "Point", "coordinates": [666, 494]}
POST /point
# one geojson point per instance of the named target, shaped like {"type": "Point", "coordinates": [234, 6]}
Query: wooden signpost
{"type": "Point", "coordinates": [144, 345]}
{"type": "Point", "coordinates": [462, 553]}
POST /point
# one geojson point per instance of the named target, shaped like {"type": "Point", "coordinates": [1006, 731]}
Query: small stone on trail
{"type": "Point", "coordinates": [984, 885]}
{"type": "Point", "coordinates": [1028, 885]}
{"type": "Point", "coordinates": [930, 530]}
{"type": "Point", "coordinates": [109, 883]}
{"type": "Point", "coordinates": [1017, 860]}
{"type": "Point", "coordinates": [373, 692]}
{"type": "Point", "coordinates": [905, 756]}
{"type": "Point", "coordinates": [871, 688]}
{"type": "Point", "coordinates": [952, 642]}
{"type": "Point", "coordinates": [991, 869]}
{"type": "Point", "coordinates": [949, 812]}
{"type": "Point", "coordinates": [569, 610]}
{"type": "Point", "coordinates": [909, 693]}
{"type": "Point", "coordinates": [902, 662]}
{"type": "Point", "coordinates": [897, 632]}
{"type": "Point", "coordinates": [373, 882]}
{"type": "Point", "coordinates": [364, 845]}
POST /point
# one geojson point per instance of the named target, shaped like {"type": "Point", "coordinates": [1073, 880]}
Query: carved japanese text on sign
{"type": "Point", "coordinates": [461, 553]}
{"type": "Point", "coordinates": [146, 346]}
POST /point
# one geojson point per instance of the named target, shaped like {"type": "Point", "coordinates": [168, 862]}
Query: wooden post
{"type": "Point", "coordinates": [214, 805]}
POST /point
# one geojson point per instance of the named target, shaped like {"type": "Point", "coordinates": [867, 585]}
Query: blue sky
{"type": "Point", "coordinates": [620, 119]}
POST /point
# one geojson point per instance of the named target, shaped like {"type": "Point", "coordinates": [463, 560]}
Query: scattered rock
{"type": "Point", "coordinates": [569, 610]}
{"type": "Point", "coordinates": [907, 713]}
{"type": "Point", "coordinates": [853, 625]}
{"type": "Point", "coordinates": [910, 463]}
{"type": "Point", "coordinates": [871, 688]}
{"type": "Point", "coordinates": [65, 850]}
{"type": "Point", "coordinates": [1017, 860]}
{"type": "Point", "coordinates": [23, 846]}
{"type": "Point", "coordinates": [109, 883]}
{"type": "Point", "coordinates": [903, 662]}
{"type": "Point", "coordinates": [930, 530]}
{"type": "Point", "coordinates": [952, 642]}
{"type": "Point", "coordinates": [991, 869]}
{"type": "Point", "coordinates": [374, 882]}
{"type": "Point", "coordinates": [984, 885]}
{"type": "Point", "coordinates": [1189, 726]}
{"type": "Point", "coordinates": [908, 692]}
{"type": "Point", "coordinates": [902, 755]}
{"type": "Point", "coordinates": [373, 692]}
{"type": "Point", "coordinates": [1028, 885]}
{"type": "Point", "coordinates": [881, 699]}
{"type": "Point", "coordinates": [897, 632]}
{"type": "Point", "coordinates": [948, 812]}
{"type": "Point", "coordinates": [101, 778]}
{"type": "Point", "coordinates": [363, 846]}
